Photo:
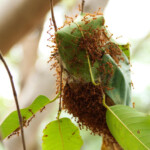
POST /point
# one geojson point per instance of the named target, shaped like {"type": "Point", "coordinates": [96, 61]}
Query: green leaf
{"type": "Point", "coordinates": [68, 50]}
{"type": "Point", "coordinates": [11, 123]}
{"type": "Point", "coordinates": [129, 127]}
{"type": "Point", "coordinates": [120, 82]}
{"type": "Point", "coordinates": [61, 134]}
{"type": "Point", "coordinates": [126, 49]}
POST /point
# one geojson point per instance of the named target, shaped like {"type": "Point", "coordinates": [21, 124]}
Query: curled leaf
{"type": "Point", "coordinates": [110, 66]}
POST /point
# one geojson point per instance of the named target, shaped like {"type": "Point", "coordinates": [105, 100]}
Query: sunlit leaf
{"type": "Point", "coordinates": [61, 135]}
{"type": "Point", "coordinates": [126, 49]}
{"type": "Point", "coordinates": [129, 127]}
{"type": "Point", "coordinates": [11, 123]}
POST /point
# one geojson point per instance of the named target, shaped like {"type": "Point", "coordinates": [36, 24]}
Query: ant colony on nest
{"type": "Point", "coordinates": [89, 64]}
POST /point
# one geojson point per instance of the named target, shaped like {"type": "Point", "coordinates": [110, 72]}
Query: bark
{"type": "Point", "coordinates": [30, 49]}
{"type": "Point", "coordinates": [22, 17]}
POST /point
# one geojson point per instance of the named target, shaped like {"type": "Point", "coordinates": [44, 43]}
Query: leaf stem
{"type": "Point", "coordinates": [104, 99]}
{"type": "Point", "coordinates": [96, 84]}
{"type": "Point", "coordinates": [90, 70]}
{"type": "Point", "coordinates": [16, 100]}
{"type": "Point", "coordinates": [59, 111]}
{"type": "Point", "coordinates": [55, 98]}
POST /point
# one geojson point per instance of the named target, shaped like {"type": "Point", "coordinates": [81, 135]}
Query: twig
{"type": "Point", "coordinates": [53, 17]}
{"type": "Point", "coordinates": [82, 6]}
{"type": "Point", "coordinates": [16, 100]}
{"type": "Point", "coordinates": [61, 68]}
{"type": "Point", "coordinates": [22, 18]}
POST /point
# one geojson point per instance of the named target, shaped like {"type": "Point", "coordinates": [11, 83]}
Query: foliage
{"type": "Point", "coordinates": [61, 134]}
{"type": "Point", "coordinates": [126, 49]}
{"type": "Point", "coordinates": [68, 39]}
{"type": "Point", "coordinates": [11, 123]}
{"type": "Point", "coordinates": [129, 127]}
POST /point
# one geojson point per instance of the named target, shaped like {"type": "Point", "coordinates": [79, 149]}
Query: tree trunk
{"type": "Point", "coordinates": [22, 17]}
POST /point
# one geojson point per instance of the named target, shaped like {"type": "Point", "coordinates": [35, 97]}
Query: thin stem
{"type": "Point", "coordinates": [16, 100]}
{"type": "Point", "coordinates": [59, 110]}
{"type": "Point", "coordinates": [96, 84]}
{"type": "Point", "coordinates": [90, 70]}
{"type": "Point", "coordinates": [104, 98]}
{"type": "Point", "coordinates": [57, 96]}
{"type": "Point", "coordinates": [82, 6]}
{"type": "Point", "coordinates": [53, 17]}
{"type": "Point", "coordinates": [61, 68]}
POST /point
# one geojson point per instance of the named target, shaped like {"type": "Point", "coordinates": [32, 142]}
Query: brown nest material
{"type": "Point", "coordinates": [84, 101]}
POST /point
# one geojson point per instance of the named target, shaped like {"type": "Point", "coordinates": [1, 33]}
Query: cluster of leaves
{"type": "Point", "coordinates": [61, 134]}
{"type": "Point", "coordinates": [129, 127]}
{"type": "Point", "coordinates": [68, 40]}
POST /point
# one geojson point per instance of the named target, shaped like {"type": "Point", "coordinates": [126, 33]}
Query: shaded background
{"type": "Point", "coordinates": [23, 40]}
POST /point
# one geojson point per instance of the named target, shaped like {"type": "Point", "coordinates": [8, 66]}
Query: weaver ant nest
{"type": "Point", "coordinates": [82, 97]}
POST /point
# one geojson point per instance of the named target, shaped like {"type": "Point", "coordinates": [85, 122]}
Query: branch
{"type": "Point", "coordinates": [61, 68]}
{"type": "Point", "coordinates": [21, 18]}
{"type": "Point", "coordinates": [16, 100]}
{"type": "Point", "coordinates": [53, 17]}
{"type": "Point", "coordinates": [82, 8]}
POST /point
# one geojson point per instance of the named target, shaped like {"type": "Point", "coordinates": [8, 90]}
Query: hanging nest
{"type": "Point", "coordinates": [84, 101]}
{"type": "Point", "coordinates": [81, 97]}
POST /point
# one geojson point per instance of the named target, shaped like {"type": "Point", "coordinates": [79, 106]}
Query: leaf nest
{"type": "Point", "coordinates": [84, 101]}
